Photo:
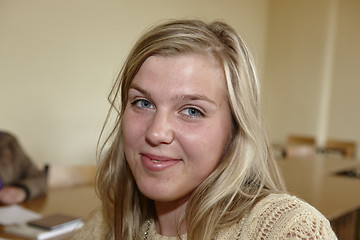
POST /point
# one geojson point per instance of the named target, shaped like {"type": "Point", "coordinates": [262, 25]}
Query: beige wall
{"type": "Point", "coordinates": [292, 75]}
{"type": "Point", "coordinates": [58, 59]}
{"type": "Point", "coordinates": [344, 114]}
{"type": "Point", "coordinates": [311, 76]}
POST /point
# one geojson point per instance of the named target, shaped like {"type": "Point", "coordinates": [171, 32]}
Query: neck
{"type": "Point", "coordinates": [170, 219]}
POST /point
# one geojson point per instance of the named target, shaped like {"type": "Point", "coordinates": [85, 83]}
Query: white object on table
{"type": "Point", "coordinates": [16, 214]}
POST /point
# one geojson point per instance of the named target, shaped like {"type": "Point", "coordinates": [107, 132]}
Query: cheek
{"type": "Point", "coordinates": [132, 128]}
{"type": "Point", "coordinates": [131, 133]}
{"type": "Point", "coordinates": [205, 146]}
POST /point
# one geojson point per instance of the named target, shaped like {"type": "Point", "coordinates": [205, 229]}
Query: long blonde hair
{"type": "Point", "coordinates": [246, 173]}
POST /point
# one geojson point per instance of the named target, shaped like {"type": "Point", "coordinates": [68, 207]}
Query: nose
{"type": "Point", "coordinates": [160, 130]}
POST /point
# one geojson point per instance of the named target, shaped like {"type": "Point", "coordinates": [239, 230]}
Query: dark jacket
{"type": "Point", "coordinates": [17, 169]}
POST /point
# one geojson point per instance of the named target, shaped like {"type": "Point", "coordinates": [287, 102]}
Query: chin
{"type": "Point", "coordinates": [159, 197]}
{"type": "Point", "coordinates": [162, 197]}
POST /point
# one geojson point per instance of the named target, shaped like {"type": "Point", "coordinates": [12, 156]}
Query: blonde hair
{"type": "Point", "coordinates": [246, 173]}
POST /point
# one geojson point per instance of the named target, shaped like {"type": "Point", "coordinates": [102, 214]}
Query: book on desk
{"type": "Point", "coordinates": [47, 227]}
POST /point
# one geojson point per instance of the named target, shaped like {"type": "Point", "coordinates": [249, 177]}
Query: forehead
{"type": "Point", "coordinates": [182, 71]}
{"type": "Point", "coordinates": [183, 64]}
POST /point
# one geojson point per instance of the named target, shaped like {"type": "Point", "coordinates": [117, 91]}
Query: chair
{"type": "Point", "coordinates": [346, 226]}
{"type": "Point", "coordinates": [301, 140]}
{"type": "Point", "coordinates": [66, 175]}
{"type": "Point", "coordinates": [345, 148]}
{"type": "Point", "coordinates": [298, 146]}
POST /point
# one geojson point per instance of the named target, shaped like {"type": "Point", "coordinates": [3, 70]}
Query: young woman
{"type": "Point", "coordinates": [188, 157]}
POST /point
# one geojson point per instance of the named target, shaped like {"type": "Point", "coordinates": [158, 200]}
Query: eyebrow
{"type": "Point", "coordinates": [186, 97]}
{"type": "Point", "coordinates": [139, 89]}
{"type": "Point", "coordinates": [196, 97]}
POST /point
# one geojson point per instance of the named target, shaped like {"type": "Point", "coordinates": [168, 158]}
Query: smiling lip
{"type": "Point", "coordinates": [157, 163]}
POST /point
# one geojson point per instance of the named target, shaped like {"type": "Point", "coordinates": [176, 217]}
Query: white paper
{"type": "Point", "coordinates": [26, 231]}
{"type": "Point", "coordinates": [16, 214]}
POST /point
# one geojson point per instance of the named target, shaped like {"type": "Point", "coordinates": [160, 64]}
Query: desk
{"type": "Point", "coordinates": [315, 181]}
{"type": "Point", "coordinates": [77, 201]}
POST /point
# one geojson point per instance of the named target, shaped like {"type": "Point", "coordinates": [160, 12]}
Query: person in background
{"type": "Point", "coordinates": [188, 156]}
{"type": "Point", "coordinates": [20, 178]}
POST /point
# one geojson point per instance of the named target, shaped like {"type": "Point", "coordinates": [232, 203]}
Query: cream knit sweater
{"type": "Point", "coordinates": [277, 216]}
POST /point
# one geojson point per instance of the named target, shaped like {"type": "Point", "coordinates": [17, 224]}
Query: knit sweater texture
{"type": "Point", "coordinates": [277, 216]}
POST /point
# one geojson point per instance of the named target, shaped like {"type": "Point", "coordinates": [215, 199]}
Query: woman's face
{"type": "Point", "coordinates": [176, 124]}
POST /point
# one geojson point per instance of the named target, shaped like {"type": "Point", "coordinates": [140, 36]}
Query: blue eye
{"type": "Point", "coordinates": [142, 103]}
{"type": "Point", "coordinates": [192, 112]}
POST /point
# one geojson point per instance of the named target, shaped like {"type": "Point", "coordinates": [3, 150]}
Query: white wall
{"type": "Point", "coordinates": [344, 114]}
{"type": "Point", "coordinates": [292, 75]}
{"type": "Point", "coordinates": [58, 60]}
{"type": "Point", "coordinates": [311, 76]}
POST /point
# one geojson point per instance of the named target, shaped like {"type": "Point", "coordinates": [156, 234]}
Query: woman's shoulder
{"type": "Point", "coordinates": [94, 228]}
{"type": "Point", "coordinates": [281, 216]}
